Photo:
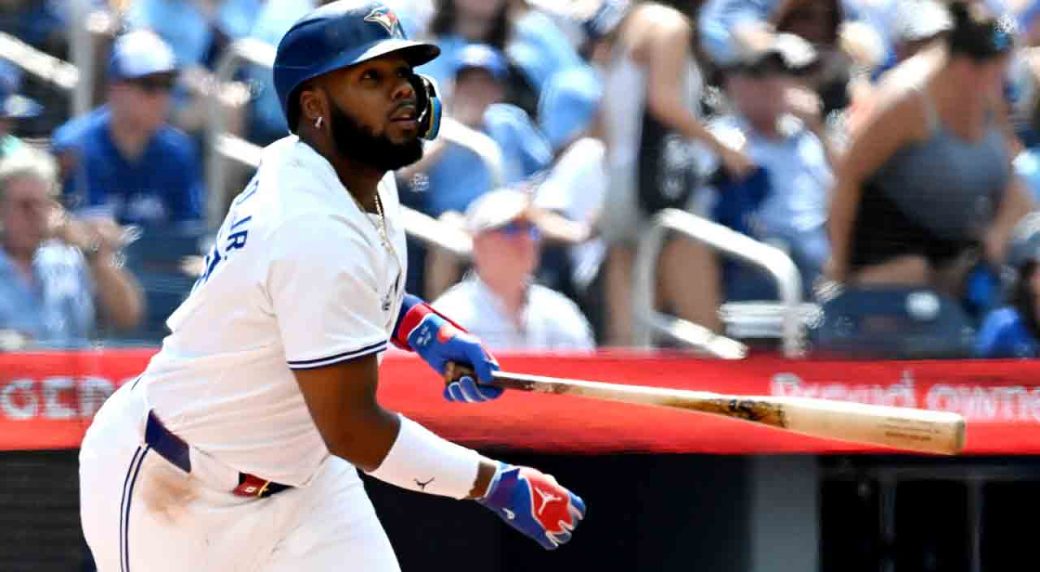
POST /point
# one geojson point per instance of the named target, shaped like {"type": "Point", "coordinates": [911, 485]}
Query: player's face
{"type": "Point", "coordinates": [373, 113]}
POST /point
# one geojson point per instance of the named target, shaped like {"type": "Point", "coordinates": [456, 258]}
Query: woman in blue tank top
{"type": "Point", "coordinates": [926, 187]}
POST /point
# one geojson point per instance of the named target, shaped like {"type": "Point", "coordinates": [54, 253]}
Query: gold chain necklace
{"type": "Point", "coordinates": [381, 228]}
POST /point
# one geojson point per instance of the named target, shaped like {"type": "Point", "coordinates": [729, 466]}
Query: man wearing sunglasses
{"type": "Point", "coordinates": [498, 302]}
{"type": "Point", "coordinates": [123, 160]}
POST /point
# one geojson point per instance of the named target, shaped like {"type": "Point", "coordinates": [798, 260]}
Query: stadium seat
{"type": "Point", "coordinates": [892, 323]}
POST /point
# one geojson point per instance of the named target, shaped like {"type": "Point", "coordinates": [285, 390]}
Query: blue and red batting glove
{"type": "Point", "coordinates": [439, 341]}
{"type": "Point", "coordinates": [535, 504]}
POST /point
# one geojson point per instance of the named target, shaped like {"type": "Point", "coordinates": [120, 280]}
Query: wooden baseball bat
{"type": "Point", "coordinates": [904, 428]}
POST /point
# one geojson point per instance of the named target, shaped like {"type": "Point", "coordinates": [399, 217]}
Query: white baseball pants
{"type": "Point", "coordinates": [141, 513]}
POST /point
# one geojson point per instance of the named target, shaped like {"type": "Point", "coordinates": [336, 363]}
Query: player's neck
{"type": "Point", "coordinates": [360, 180]}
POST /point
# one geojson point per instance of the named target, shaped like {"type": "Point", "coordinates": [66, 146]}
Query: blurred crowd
{"type": "Point", "coordinates": [891, 148]}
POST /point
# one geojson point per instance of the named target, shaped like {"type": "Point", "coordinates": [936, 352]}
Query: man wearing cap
{"type": "Point", "coordinates": [238, 447]}
{"type": "Point", "coordinates": [123, 160]}
{"type": "Point", "coordinates": [783, 135]}
{"type": "Point", "coordinates": [498, 302]}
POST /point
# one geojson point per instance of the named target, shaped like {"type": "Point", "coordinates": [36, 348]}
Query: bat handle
{"type": "Point", "coordinates": [503, 379]}
{"type": "Point", "coordinates": [454, 370]}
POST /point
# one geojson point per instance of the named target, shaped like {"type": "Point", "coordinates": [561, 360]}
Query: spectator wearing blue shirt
{"type": "Point", "coordinates": [1014, 330]}
{"type": "Point", "coordinates": [784, 135]}
{"type": "Point", "coordinates": [53, 266]}
{"type": "Point", "coordinates": [123, 160]}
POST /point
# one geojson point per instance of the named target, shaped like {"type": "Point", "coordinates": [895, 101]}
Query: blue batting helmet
{"type": "Point", "coordinates": [336, 36]}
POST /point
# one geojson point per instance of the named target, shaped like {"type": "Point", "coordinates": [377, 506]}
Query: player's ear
{"type": "Point", "coordinates": [313, 104]}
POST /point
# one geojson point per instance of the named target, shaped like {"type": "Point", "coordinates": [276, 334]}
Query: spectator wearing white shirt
{"type": "Point", "coordinates": [498, 302]}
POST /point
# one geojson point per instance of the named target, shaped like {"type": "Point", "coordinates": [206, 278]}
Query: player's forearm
{"type": "Point", "coordinates": [369, 446]}
{"type": "Point", "coordinates": [366, 440]}
{"type": "Point", "coordinates": [421, 461]}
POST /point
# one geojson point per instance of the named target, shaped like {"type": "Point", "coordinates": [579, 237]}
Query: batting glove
{"type": "Point", "coordinates": [535, 504]}
{"type": "Point", "coordinates": [439, 341]}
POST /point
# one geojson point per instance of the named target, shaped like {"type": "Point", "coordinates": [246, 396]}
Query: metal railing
{"type": "Point", "coordinates": [58, 73]}
{"type": "Point", "coordinates": [223, 145]}
{"type": "Point", "coordinates": [647, 321]}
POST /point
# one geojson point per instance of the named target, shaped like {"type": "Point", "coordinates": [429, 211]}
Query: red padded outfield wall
{"type": "Point", "coordinates": [48, 398]}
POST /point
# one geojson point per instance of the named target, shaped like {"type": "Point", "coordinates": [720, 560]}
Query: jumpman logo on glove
{"type": "Point", "coordinates": [547, 497]}
{"type": "Point", "coordinates": [535, 504]}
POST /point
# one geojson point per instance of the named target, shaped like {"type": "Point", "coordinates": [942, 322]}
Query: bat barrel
{"type": "Point", "coordinates": [918, 430]}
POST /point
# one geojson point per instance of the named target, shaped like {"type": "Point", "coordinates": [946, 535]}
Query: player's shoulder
{"type": "Point", "coordinates": [299, 182]}
{"type": "Point", "coordinates": [318, 240]}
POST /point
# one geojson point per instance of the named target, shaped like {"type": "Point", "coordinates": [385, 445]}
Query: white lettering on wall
{"type": "Point", "coordinates": [53, 388]}
{"type": "Point", "coordinates": [17, 399]}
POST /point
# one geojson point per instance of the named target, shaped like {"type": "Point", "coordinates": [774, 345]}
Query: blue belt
{"type": "Point", "coordinates": [176, 451]}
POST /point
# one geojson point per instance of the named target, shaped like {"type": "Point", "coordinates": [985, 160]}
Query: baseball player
{"type": "Point", "coordinates": [236, 448]}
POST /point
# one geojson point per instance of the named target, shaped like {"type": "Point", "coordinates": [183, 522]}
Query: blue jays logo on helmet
{"type": "Point", "coordinates": [387, 19]}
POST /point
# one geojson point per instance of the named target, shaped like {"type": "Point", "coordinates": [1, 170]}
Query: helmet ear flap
{"type": "Point", "coordinates": [428, 105]}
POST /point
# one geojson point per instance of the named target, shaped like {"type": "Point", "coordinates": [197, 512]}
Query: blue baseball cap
{"type": "Point", "coordinates": [568, 103]}
{"type": "Point", "coordinates": [138, 54]}
{"type": "Point", "coordinates": [482, 56]}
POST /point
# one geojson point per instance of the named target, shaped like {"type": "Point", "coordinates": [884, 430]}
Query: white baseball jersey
{"type": "Point", "coordinates": [298, 278]}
